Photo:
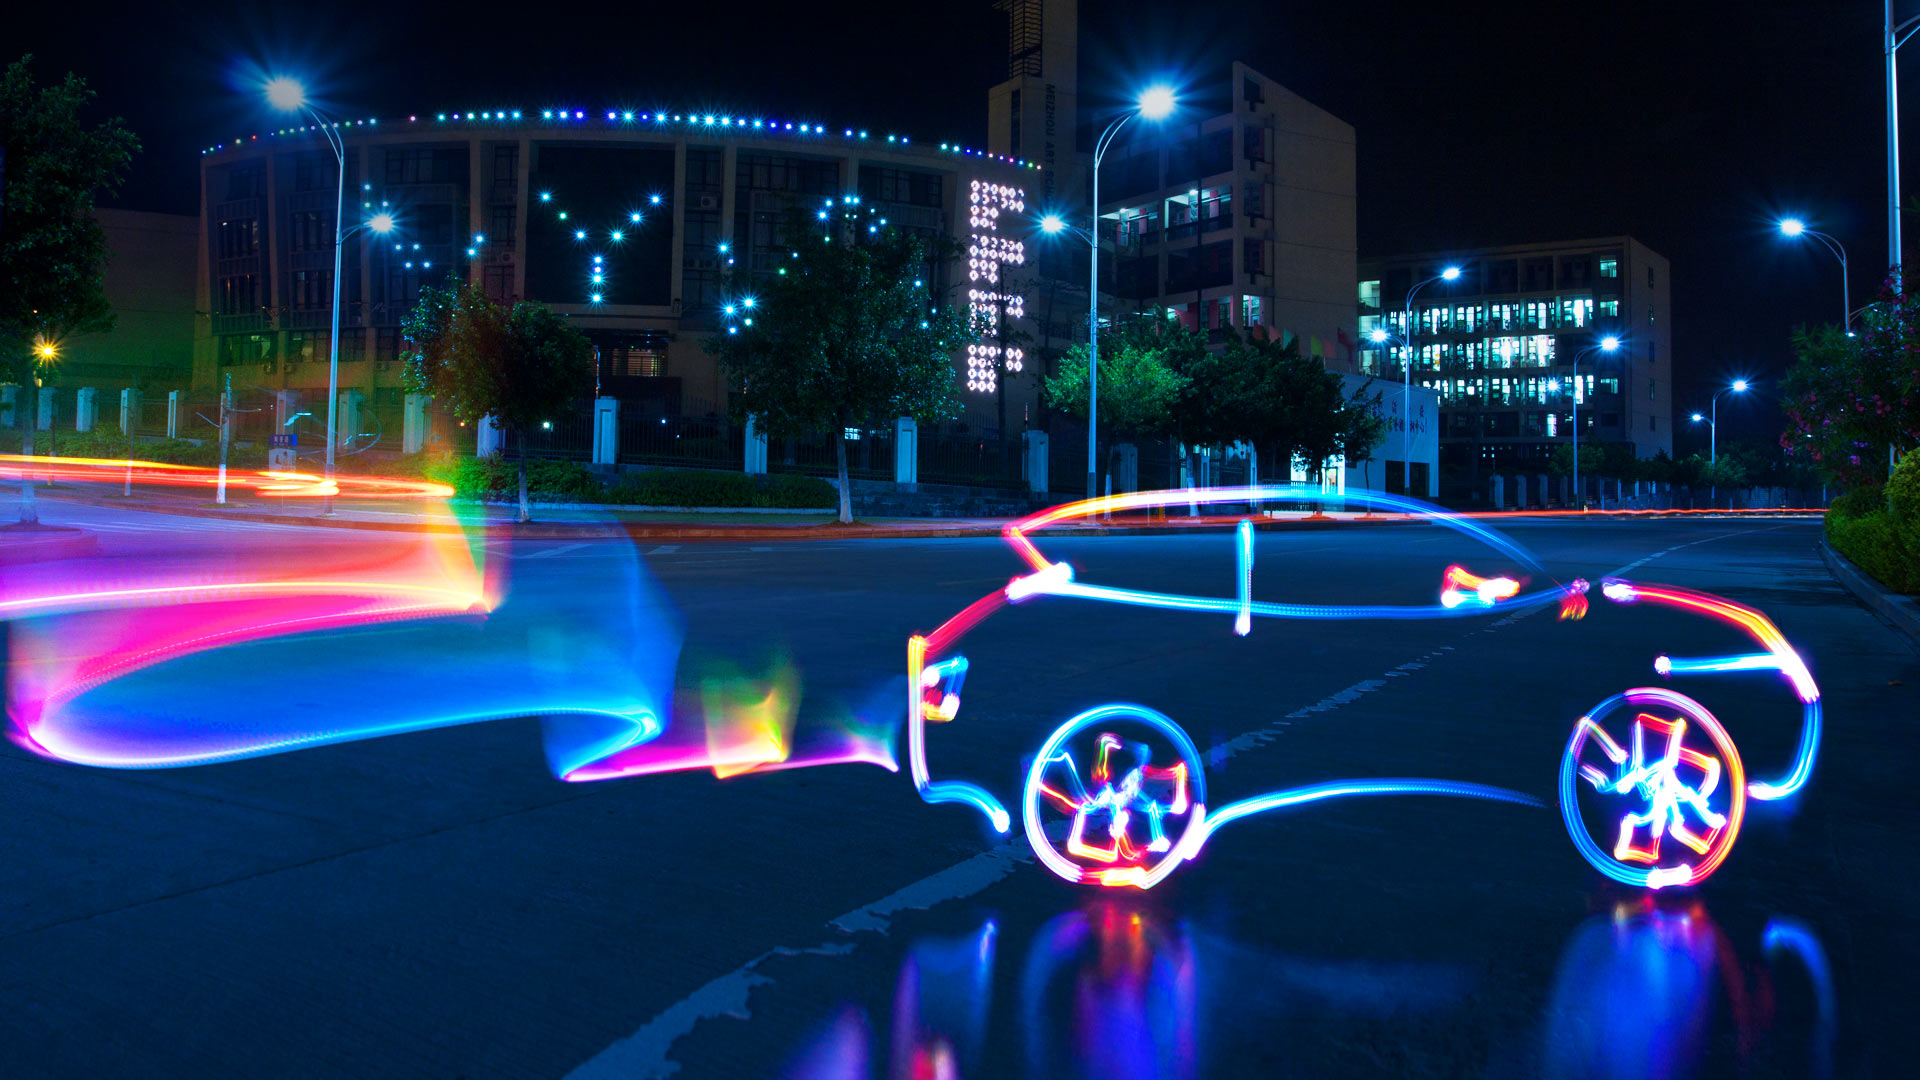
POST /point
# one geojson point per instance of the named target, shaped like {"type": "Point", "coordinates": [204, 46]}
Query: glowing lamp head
{"type": "Point", "coordinates": [1609, 343]}
{"type": "Point", "coordinates": [1739, 386]}
{"type": "Point", "coordinates": [1451, 273]}
{"type": "Point", "coordinates": [1696, 418]}
{"type": "Point", "coordinates": [1157, 102]}
{"type": "Point", "coordinates": [1051, 224]}
{"type": "Point", "coordinates": [1377, 336]}
{"type": "Point", "coordinates": [285, 94]}
{"type": "Point", "coordinates": [381, 223]}
{"type": "Point", "coordinates": [1792, 226]}
{"type": "Point", "coordinates": [45, 350]}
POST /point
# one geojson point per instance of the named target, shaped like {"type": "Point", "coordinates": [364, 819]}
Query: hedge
{"type": "Point", "coordinates": [1879, 528]}
{"type": "Point", "coordinates": [498, 479]}
{"type": "Point", "coordinates": [109, 443]}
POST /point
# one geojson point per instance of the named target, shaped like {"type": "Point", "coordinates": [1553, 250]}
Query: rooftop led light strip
{"type": "Point", "coordinates": [625, 117]}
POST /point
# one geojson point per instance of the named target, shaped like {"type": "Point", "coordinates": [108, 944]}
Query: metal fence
{"type": "Point", "coordinates": [569, 438]}
{"type": "Point", "coordinates": [869, 456]}
{"type": "Point", "coordinates": [701, 442]}
{"type": "Point", "coordinates": [963, 459]}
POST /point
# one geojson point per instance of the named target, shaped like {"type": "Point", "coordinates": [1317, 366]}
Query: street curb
{"type": "Point", "coordinates": [1902, 611]}
{"type": "Point", "coordinates": [49, 548]}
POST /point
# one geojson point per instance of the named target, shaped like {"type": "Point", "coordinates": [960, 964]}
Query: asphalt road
{"type": "Point", "coordinates": [436, 904]}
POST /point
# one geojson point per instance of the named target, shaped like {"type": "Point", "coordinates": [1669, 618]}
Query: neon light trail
{"type": "Point", "coordinates": [1131, 820]}
{"type": "Point", "coordinates": [267, 484]}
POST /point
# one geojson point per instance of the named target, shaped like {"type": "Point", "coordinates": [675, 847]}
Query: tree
{"type": "Point", "coordinates": [846, 333]}
{"type": "Point", "coordinates": [521, 365]}
{"type": "Point", "coordinates": [52, 249]}
{"type": "Point", "coordinates": [1140, 392]}
{"type": "Point", "coordinates": [1852, 400]}
{"type": "Point", "coordinates": [1285, 404]}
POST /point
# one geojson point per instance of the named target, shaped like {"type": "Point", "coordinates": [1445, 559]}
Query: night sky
{"type": "Point", "coordinates": [1689, 126]}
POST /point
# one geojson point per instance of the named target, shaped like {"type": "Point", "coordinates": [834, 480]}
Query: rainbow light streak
{"type": "Point", "coordinates": [264, 483]}
{"type": "Point", "coordinates": [1243, 535]}
{"type": "Point", "coordinates": [1115, 804]}
{"type": "Point", "coordinates": [1780, 656]}
{"type": "Point", "coordinates": [197, 656]}
{"type": "Point", "coordinates": [1457, 586]}
{"type": "Point", "coordinates": [1655, 778]}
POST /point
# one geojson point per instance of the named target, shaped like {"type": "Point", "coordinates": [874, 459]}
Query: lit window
{"type": "Point", "coordinates": [1610, 268]}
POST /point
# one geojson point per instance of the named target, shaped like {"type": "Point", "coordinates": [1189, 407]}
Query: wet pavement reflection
{"type": "Point", "coordinates": [1119, 990]}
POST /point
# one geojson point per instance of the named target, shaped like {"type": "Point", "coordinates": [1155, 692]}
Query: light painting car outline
{"type": "Point", "coordinates": [1668, 763]}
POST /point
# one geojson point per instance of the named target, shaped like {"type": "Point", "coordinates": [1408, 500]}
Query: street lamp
{"type": "Point", "coordinates": [1738, 386]}
{"type": "Point", "coordinates": [288, 95]}
{"type": "Point", "coordinates": [1793, 229]}
{"type": "Point", "coordinates": [1609, 343]}
{"type": "Point", "coordinates": [1154, 103]}
{"type": "Point", "coordinates": [1891, 40]}
{"type": "Point", "coordinates": [1451, 273]}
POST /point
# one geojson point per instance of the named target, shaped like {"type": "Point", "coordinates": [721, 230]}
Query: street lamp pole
{"type": "Point", "coordinates": [1605, 344]}
{"type": "Point", "coordinates": [1451, 273]}
{"type": "Point", "coordinates": [1895, 36]}
{"type": "Point", "coordinates": [1154, 104]}
{"type": "Point", "coordinates": [1794, 227]}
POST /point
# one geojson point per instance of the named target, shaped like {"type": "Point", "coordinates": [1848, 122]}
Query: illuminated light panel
{"type": "Point", "coordinates": [1243, 621]}
{"type": "Point", "coordinates": [987, 253]}
{"type": "Point", "coordinates": [1650, 774]}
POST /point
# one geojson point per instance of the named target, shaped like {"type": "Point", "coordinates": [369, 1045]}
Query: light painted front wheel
{"type": "Point", "coordinates": [1116, 796]}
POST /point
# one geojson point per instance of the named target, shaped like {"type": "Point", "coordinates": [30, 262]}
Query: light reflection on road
{"type": "Point", "coordinates": [1119, 990]}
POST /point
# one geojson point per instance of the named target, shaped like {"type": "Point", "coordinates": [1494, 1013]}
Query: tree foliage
{"type": "Point", "coordinates": [1141, 394]}
{"type": "Point", "coordinates": [1849, 398]}
{"type": "Point", "coordinates": [52, 249]}
{"type": "Point", "coordinates": [846, 333]}
{"type": "Point", "coordinates": [522, 365]}
{"type": "Point", "coordinates": [1287, 405]}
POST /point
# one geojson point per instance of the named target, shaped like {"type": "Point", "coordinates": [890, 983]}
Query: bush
{"type": "Point", "coordinates": [1883, 541]}
{"type": "Point", "coordinates": [497, 478]}
{"type": "Point", "coordinates": [1903, 500]}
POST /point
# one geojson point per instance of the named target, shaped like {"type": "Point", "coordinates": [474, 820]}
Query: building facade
{"type": "Point", "coordinates": [1237, 211]}
{"type": "Point", "coordinates": [1512, 348]}
{"type": "Point", "coordinates": [628, 221]}
{"type": "Point", "coordinates": [149, 282]}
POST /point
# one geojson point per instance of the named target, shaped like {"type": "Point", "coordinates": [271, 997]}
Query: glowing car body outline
{"type": "Point", "coordinates": [933, 696]}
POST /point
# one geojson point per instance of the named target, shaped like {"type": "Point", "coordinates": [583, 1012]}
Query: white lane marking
{"type": "Point", "coordinates": [551, 552]}
{"type": "Point", "coordinates": [643, 1054]}
{"type": "Point", "coordinates": [665, 549]}
{"type": "Point", "coordinates": [1637, 563]}
{"type": "Point", "coordinates": [759, 549]}
{"type": "Point", "coordinates": [961, 879]}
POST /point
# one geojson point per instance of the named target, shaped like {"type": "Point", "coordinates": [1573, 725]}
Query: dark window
{"type": "Point", "coordinates": [1539, 274]}
{"type": "Point", "coordinates": [1215, 264]}
{"type": "Point", "coordinates": [500, 226]}
{"type": "Point", "coordinates": [1254, 139]}
{"type": "Point", "coordinates": [1253, 257]}
{"type": "Point", "coordinates": [310, 230]}
{"type": "Point", "coordinates": [427, 166]}
{"type": "Point", "coordinates": [311, 172]}
{"type": "Point", "coordinates": [386, 347]}
{"type": "Point", "coordinates": [246, 181]}
{"type": "Point", "coordinates": [240, 239]}
{"type": "Point", "coordinates": [497, 281]}
{"type": "Point", "coordinates": [239, 294]}
{"type": "Point", "coordinates": [312, 289]}
{"type": "Point", "coordinates": [1500, 276]}
{"type": "Point", "coordinates": [1650, 348]}
{"type": "Point", "coordinates": [1013, 121]}
{"type": "Point", "coordinates": [902, 186]}
{"type": "Point", "coordinates": [506, 169]}
{"type": "Point", "coordinates": [1255, 202]}
{"type": "Point", "coordinates": [1576, 272]}
{"type": "Point", "coordinates": [644, 359]}
{"type": "Point", "coordinates": [1649, 277]}
{"type": "Point", "coordinates": [1250, 91]}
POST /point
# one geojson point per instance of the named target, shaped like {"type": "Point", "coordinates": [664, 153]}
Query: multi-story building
{"type": "Point", "coordinates": [626, 219]}
{"type": "Point", "coordinates": [148, 281]}
{"type": "Point", "coordinates": [1511, 347]}
{"type": "Point", "coordinates": [1237, 211]}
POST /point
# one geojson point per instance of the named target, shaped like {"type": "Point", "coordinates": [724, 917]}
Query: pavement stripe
{"type": "Point", "coordinates": [665, 549]}
{"type": "Point", "coordinates": [561, 550]}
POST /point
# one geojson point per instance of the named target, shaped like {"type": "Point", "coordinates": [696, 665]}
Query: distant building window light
{"type": "Point", "coordinates": [1610, 268]}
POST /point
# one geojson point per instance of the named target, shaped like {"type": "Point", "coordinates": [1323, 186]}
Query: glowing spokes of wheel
{"type": "Point", "coordinates": [1666, 785]}
{"type": "Point", "coordinates": [1131, 814]}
